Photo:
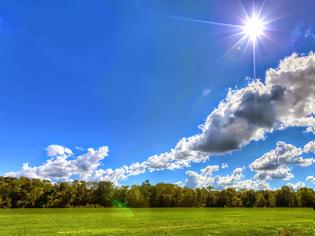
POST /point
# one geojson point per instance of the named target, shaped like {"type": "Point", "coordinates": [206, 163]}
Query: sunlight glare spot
{"type": "Point", "coordinates": [253, 27]}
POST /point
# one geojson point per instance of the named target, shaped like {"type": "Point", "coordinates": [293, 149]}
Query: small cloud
{"type": "Point", "coordinates": [57, 150]}
{"type": "Point", "coordinates": [308, 33]}
{"type": "Point", "coordinates": [224, 165]}
{"type": "Point", "coordinates": [297, 185]}
{"type": "Point", "coordinates": [310, 179]}
{"type": "Point", "coordinates": [180, 183]}
{"type": "Point", "coordinates": [309, 147]}
{"type": "Point", "coordinates": [206, 92]}
{"type": "Point", "coordinates": [80, 149]}
{"type": "Point", "coordinates": [235, 180]}
{"type": "Point", "coordinates": [275, 163]}
{"type": "Point", "coordinates": [302, 38]}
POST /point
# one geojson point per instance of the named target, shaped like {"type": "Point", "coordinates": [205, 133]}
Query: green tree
{"type": "Point", "coordinates": [103, 194]}
{"type": "Point", "coordinates": [305, 197]}
{"type": "Point", "coordinates": [248, 198]}
{"type": "Point", "coordinates": [260, 200]}
{"type": "Point", "coordinates": [285, 197]}
{"type": "Point", "coordinates": [135, 198]}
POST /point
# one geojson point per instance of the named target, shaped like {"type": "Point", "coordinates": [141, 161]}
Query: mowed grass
{"type": "Point", "coordinates": [167, 221]}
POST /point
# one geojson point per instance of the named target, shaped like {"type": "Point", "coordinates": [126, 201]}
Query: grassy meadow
{"type": "Point", "coordinates": [167, 221]}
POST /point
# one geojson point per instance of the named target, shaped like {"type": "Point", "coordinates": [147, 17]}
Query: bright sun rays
{"type": "Point", "coordinates": [253, 30]}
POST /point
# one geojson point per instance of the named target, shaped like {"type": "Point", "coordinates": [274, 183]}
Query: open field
{"type": "Point", "coordinates": [168, 221]}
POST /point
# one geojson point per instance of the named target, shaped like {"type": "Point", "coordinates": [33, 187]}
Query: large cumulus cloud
{"type": "Point", "coordinates": [61, 167]}
{"type": "Point", "coordinates": [286, 99]}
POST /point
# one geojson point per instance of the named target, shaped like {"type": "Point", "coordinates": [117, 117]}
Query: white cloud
{"type": "Point", "coordinates": [80, 148]}
{"type": "Point", "coordinates": [310, 146]}
{"type": "Point", "coordinates": [180, 184]}
{"type": "Point", "coordinates": [301, 36]}
{"type": "Point", "coordinates": [179, 157]}
{"type": "Point", "coordinates": [203, 179]}
{"type": "Point", "coordinates": [275, 164]}
{"type": "Point", "coordinates": [236, 180]}
{"type": "Point", "coordinates": [208, 170]}
{"type": "Point", "coordinates": [279, 173]}
{"type": "Point", "coordinates": [86, 164]}
{"type": "Point", "coordinates": [297, 185]}
{"type": "Point", "coordinates": [60, 167]}
{"type": "Point", "coordinates": [286, 99]}
{"type": "Point", "coordinates": [224, 165]}
{"type": "Point", "coordinates": [283, 154]}
{"type": "Point", "coordinates": [136, 169]}
{"type": "Point", "coordinates": [311, 179]}
{"type": "Point", "coordinates": [206, 92]}
{"type": "Point", "coordinates": [57, 150]}
{"type": "Point", "coordinates": [114, 176]}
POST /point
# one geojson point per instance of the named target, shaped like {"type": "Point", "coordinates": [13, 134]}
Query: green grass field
{"type": "Point", "coordinates": [168, 221]}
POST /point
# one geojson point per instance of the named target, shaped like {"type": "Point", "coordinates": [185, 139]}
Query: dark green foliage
{"type": "Point", "coordinates": [34, 193]}
{"type": "Point", "coordinates": [103, 193]}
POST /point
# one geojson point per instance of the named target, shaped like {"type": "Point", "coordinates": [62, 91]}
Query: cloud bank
{"type": "Point", "coordinates": [285, 99]}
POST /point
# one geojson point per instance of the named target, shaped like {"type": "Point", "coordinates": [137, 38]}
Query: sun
{"type": "Point", "coordinates": [253, 30]}
{"type": "Point", "coordinates": [253, 27]}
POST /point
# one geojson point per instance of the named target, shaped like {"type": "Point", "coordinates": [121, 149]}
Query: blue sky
{"type": "Point", "coordinates": [131, 76]}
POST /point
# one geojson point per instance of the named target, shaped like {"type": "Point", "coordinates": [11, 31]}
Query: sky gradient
{"type": "Point", "coordinates": [131, 77]}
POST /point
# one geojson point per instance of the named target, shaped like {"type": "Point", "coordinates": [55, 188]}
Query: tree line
{"type": "Point", "coordinates": [34, 193]}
